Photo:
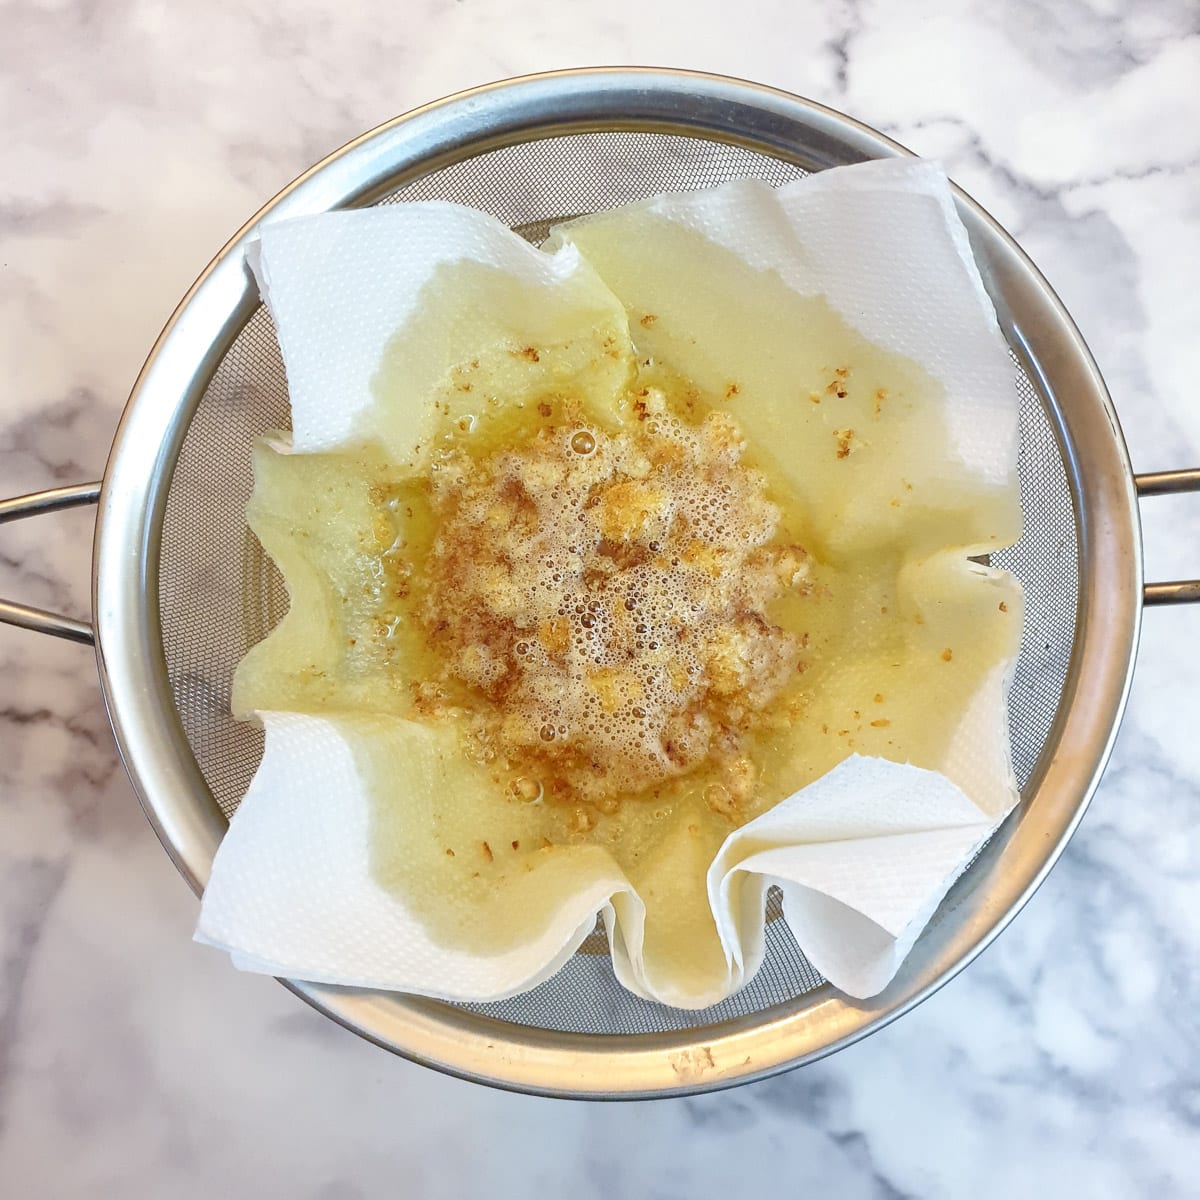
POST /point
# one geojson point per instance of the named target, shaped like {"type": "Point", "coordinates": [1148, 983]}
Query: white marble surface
{"type": "Point", "coordinates": [137, 134]}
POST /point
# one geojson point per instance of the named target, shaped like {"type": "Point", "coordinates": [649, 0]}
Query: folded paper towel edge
{"type": "Point", "coordinates": [960, 822]}
{"type": "Point", "coordinates": [907, 173]}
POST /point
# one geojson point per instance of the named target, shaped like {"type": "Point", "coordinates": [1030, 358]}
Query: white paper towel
{"type": "Point", "coordinates": [864, 855]}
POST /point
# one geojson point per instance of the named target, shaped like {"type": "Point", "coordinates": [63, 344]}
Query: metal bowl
{"type": "Point", "coordinates": [181, 590]}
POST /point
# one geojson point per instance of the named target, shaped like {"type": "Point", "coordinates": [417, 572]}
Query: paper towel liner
{"type": "Point", "coordinates": [863, 855]}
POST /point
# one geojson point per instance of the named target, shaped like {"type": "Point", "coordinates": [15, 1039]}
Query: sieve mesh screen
{"type": "Point", "coordinates": [218, 594]}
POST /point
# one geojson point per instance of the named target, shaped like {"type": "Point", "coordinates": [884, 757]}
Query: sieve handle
{"type": "Point", "coordinates": [38, 619]}
{"type": "Point", "coordinates": [1170, 483]}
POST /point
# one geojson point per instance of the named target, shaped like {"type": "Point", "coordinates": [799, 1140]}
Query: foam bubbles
{"type": "Point", "coordinates": [621, 579]}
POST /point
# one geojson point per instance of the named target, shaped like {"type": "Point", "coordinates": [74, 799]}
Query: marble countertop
{"type": "Point", "coordinates": [137, 135]}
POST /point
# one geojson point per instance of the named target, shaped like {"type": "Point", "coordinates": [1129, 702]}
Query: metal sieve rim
{"type": "Point", "coordinates": [164, 772]}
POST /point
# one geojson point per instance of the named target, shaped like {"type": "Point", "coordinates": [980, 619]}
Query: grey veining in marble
{"type": "Point", "coordinates": [137, 136]}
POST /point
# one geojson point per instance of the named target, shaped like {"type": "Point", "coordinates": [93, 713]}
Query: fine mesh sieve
{"type": "Point", "coordinates": [181, 589]}
{"type": "Point", "coordinates": [218, 594]}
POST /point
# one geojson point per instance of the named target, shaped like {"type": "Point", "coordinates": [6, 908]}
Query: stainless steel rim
{"type": "Point", "coordinates": [160, 762]}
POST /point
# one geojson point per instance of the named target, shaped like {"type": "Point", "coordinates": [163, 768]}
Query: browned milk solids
{"type": "Point", "coordinates": [602, 603]}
